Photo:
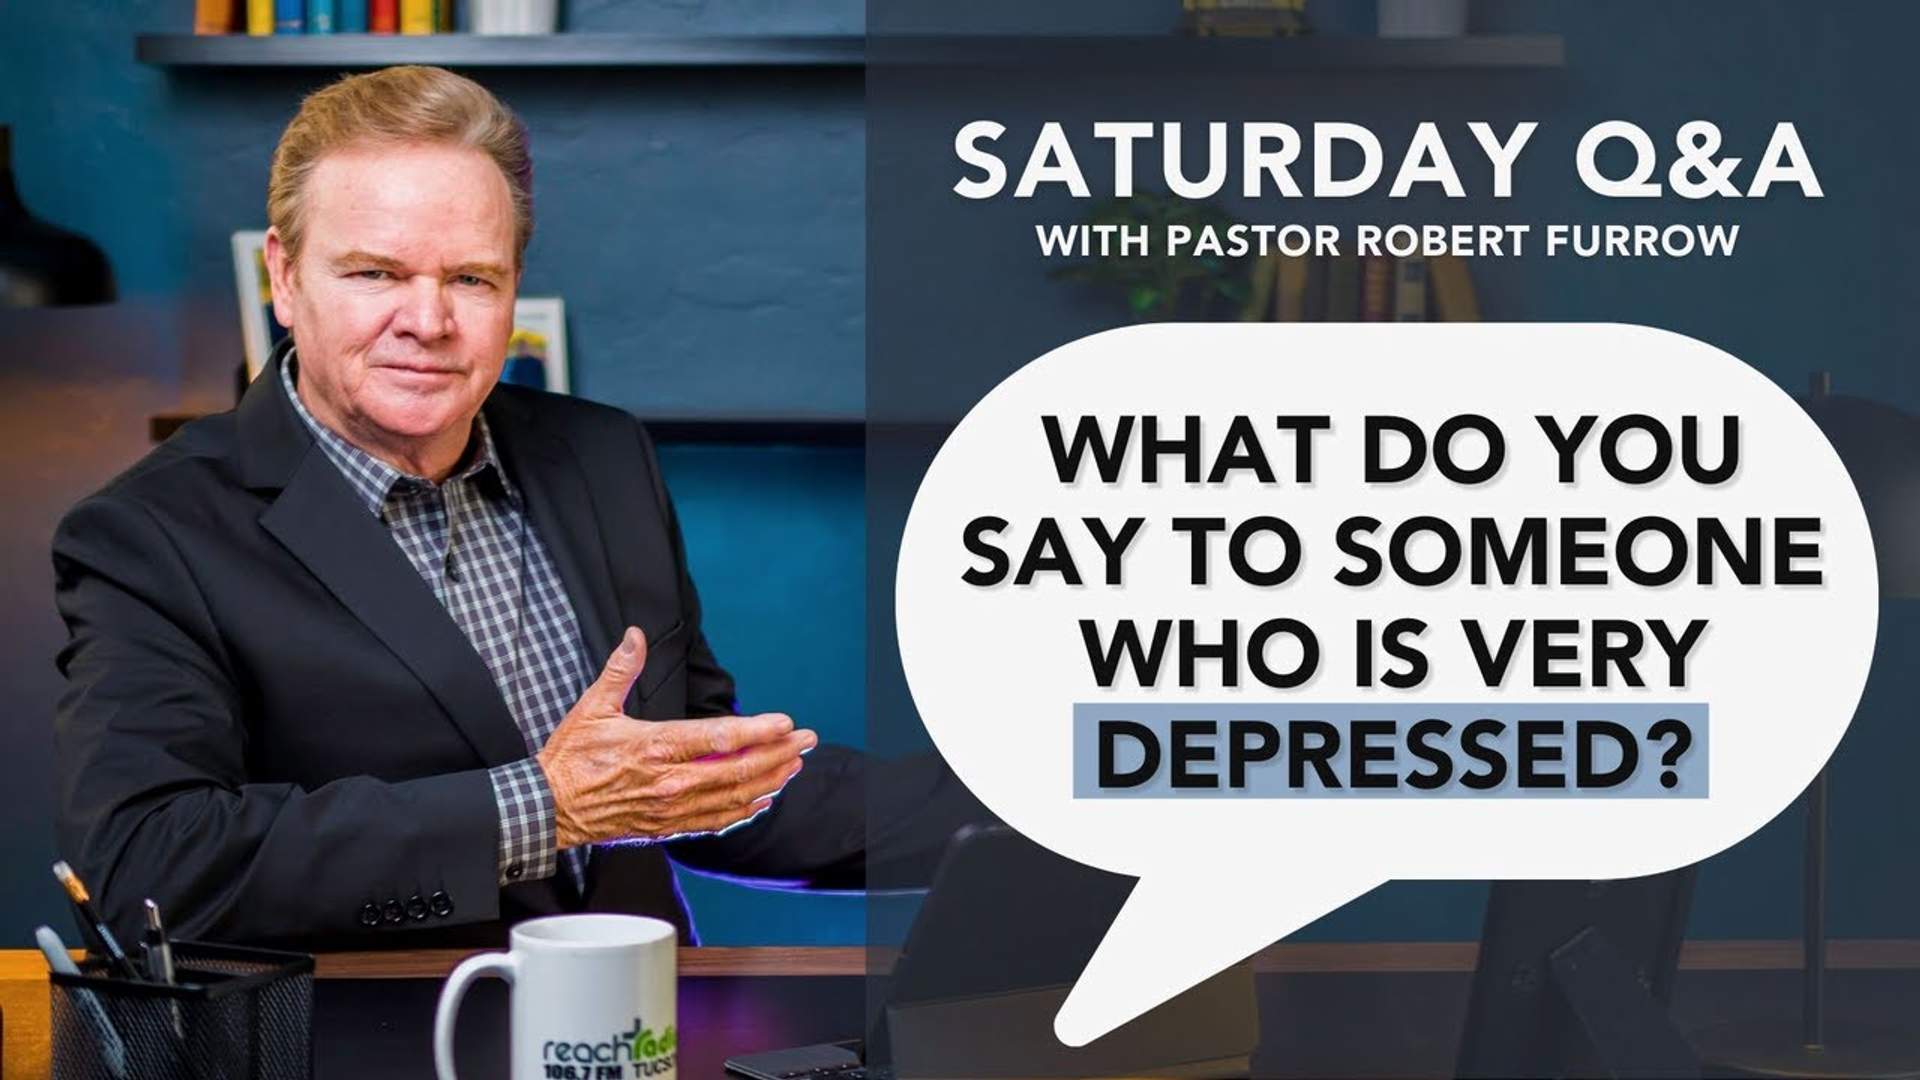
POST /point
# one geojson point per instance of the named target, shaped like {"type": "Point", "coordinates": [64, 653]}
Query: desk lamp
{"type": "Point", "coordinates": [1880, 446]}
{"type": "Point", "coordinates": [43, 265]}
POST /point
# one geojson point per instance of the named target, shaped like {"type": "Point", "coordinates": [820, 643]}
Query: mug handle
{"type": "Point", "coordinates": [498, 964]}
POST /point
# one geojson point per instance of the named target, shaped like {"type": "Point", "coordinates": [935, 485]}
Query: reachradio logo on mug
{"type": "Point", "coordinates": [629, 1055]}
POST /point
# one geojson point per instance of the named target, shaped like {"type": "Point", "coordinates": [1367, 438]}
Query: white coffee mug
{"type": "Point", "coordinates": [513, 16]}
{"type": "Point", "coordinates": [593, 999]}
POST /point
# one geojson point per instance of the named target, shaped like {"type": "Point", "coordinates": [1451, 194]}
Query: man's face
{"type": "Point", "coordinates": [401, 300]}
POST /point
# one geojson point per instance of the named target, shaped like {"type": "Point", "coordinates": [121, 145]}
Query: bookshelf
{"type": "Point", "coordinates": [1485, 52]}
{"type": "Point", "coordinates": [473, 50]}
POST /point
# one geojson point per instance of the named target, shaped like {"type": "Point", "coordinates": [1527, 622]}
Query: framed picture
{"type": "Point", "coordinates": [258, 329]}
{"type": "Point", "coordinates": [536, 353]}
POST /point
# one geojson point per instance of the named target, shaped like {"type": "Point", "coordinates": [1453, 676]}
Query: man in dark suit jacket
{"type": "Point", "coordinates": [331, 666]}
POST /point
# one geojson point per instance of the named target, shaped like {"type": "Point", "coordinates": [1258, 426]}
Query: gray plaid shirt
{"type": "Point", "coordinates": [470, 540]}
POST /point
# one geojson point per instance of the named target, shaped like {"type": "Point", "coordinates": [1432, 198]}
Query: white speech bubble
{"type": "Point", "coordinates": [996, 671]}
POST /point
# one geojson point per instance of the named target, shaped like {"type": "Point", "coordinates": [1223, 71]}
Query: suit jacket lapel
{"type": "Point", "coordinates": [318, 519]}
{"type": "Point", "coordinates": [550, 477]}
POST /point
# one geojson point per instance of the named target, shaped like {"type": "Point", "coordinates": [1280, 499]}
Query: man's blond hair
{"type": "Point", "coordinates": [409, 104]}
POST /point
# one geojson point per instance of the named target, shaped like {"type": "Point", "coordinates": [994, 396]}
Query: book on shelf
{"type": "Point", "coordinates": [1246, 18]}
{"type": "Point", "coordinates": [1350, 288]}
{"type": "Point", "coordinates": [1343, 288]}
{"type": "Point", "coordinates": [1290, 288]}
{"type": "Point", "coordinates": [216, 16]}
{"type": "Point", "coordinates": [1308, 288]}
{"type": "Point", "coordinates": [416, 16]}
{"type": "Point", "coordinates": [1410, 289]}
{"type": "Point", "coordinates": [263, 17]}
{"type": "Point", "coordinates": [1376, 288]}
{"type": "Point", "coordinates": [1454, 299]}
{"type": "Point", "coordinates": [1313, 300]}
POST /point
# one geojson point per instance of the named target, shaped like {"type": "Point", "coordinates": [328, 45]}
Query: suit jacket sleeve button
{"type": "Point", "coordinates": [392, 911]}
{"type": "Point", "coordinates": [442, 904]}
{"type": "Point", "coordinates": [369, 915]}
{"type": "Point", "coordinates": [416, 908]}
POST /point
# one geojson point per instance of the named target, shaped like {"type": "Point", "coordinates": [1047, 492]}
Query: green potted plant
{"type": "Point", "coordinates": [1158, 286]}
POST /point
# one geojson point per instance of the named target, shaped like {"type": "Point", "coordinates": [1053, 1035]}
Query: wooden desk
{"type": "Point", "coordinates": [385, 995]}
{"type": "Point", "coordinates": [373, 1019]}
{"type": "Point", "coordinates": [1408, 999]}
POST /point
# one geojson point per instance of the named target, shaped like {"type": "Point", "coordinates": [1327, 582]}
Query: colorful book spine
{"type": "Point", "coordinates": [443, 16]}
{"type": "Point", "coordinates": [1290, 289]}
{"type": "Point", "coordinates": [383, 16]}
{"type": "Point", "coordinates": [353, 16]}
{"type": "Point", "coordinates": [289, 17]}
{"type": "Point", "coordinates": [323, 16]}
{"type": "Point", "coordinates": [213, 16]}
{"type": "Point", "coordinates": [259, 17]}
{"type": "Point", "coordinates": [416, 16]}
{"type": "Point", "coordinates": [1376, 289]}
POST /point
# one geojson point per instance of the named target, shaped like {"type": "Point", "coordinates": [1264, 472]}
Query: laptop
{"type": "Point", "coordinates": [1005, 929]}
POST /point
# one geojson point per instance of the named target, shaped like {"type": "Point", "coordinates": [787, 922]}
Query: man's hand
{"type": "Point", "coordinates": [614, 777]}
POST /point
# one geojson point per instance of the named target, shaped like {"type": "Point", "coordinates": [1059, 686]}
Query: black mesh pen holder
{"type": "Point", "coordinates": [231, 1014]}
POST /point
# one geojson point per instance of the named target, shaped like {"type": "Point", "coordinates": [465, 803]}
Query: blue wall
{"type": "Point", "coordinates": [705, 229]}
{"type": "Point", "coordinates": [774, 536]}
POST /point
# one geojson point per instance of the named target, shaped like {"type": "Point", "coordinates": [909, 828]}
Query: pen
{"type": "Point", "coordinates": [160, 960]}
{"type": "Point", "coordinates": [89, 917]}
{"type": "Point", "coordinates": [112, 1050]}
{"type": "Point", "coordinates": [159, 949]}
